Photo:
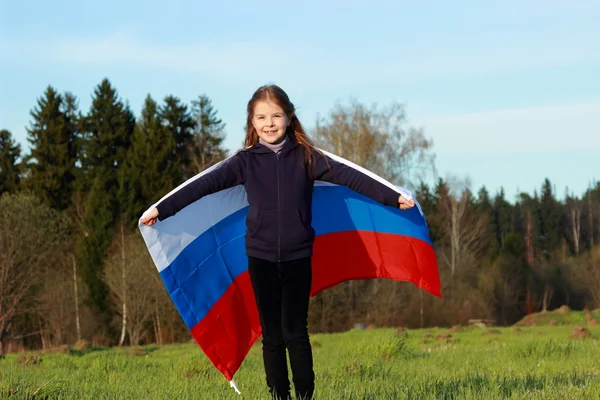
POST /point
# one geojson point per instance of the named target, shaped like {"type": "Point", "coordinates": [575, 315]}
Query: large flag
{"type": "Point", "coordinates": [200, 255]}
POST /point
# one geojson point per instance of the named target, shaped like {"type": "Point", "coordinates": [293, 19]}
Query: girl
{"type": "Point", "coordinates": [278, 168]}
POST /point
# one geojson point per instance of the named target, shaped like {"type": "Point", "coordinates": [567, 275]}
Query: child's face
{"type": "Point", "coordinates": [270, 121]}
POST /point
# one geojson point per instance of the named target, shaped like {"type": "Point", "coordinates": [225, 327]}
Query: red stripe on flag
{"type": "Point", "coordinates": [230, 327]}
{"type": "Point", "coordinates": [349, 255]}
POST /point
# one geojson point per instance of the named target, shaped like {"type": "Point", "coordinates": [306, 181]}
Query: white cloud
{"type": "Point", "coordinates": [517, 131]}
{"type": "Point", "coordinates": [124, 48]}
{"type": "Point", "coordinates": [318, 63]}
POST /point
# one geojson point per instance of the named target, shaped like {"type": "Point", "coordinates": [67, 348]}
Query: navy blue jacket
{"type": "Point", "coordinates": [279, 189]}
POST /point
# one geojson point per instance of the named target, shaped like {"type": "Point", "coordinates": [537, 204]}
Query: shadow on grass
{"type": "Point", "coordinates": [145, 350]}
{"type": "Point", "coordinates": [150, 349]}
{"type": "Point", "coordinates": [81, 353]}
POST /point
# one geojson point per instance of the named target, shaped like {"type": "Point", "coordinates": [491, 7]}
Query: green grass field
{"type": "Point", "coordinates": [540, 362]}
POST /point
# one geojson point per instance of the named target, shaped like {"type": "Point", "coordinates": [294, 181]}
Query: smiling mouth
{"type": "Point", "coordinates": [270, 132]}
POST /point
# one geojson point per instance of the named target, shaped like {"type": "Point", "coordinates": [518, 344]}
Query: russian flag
{"type": "Point", "coordinates": [200, 255]}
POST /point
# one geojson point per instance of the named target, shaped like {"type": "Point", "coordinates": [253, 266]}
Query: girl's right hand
{"type": "Point", "coordinates": [404, 203]}
{"type": "Point", "coordinates": [150, 217]}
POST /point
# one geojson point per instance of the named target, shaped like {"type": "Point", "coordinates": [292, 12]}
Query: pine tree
{"type": "Point", "coordinates": [511, 274]}
{"type": "Point", "coordinates": [594, 204]}
{"type": "Point", "coordinates": [428, 203]}
{"type": "Point", "coordinates": [484, 204]}
{"type": "Point", "coordinates": [436, 221]}
{"type": "Point", "coordinates": [10, 151]}
{"type": "Point", "coordinates": [109, 127]}
{"type": "Point", "coordinates": [51, 164]}
{"type": "Point", "coordinates": [178, 122]}
{"type": "Point", "coordinates": [590, 217]}
{"type": "Point", "coordinates": [547, 240]}
{"type": "Point", "coordinates": [485, 209]}
{"type": "Point", "coordinates": [150, 169]}
{"type": "Point", "coordinates": [501, 221]}
{"type": "Point", "coordinates": [74, 125]}
{"type": "Point", "coordinates": [549, 221]}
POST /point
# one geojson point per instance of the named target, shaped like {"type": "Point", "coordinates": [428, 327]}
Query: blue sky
{"type": "Point", "coordinates": [509, 91]}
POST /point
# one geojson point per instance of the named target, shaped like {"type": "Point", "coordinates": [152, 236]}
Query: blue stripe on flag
{"type": "Point", "coordinates": [202, 272]}
{"type": "Point", "coordinates": [338, 209]}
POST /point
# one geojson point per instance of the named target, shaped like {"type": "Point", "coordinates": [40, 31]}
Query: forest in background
{"type": "Point", "coordinates": [73, 265]}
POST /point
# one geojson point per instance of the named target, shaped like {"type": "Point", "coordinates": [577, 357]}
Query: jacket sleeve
{"type": "Point", "coordinates": [329, 170]}
{"type": "Point", "coordinates": [231, 173]}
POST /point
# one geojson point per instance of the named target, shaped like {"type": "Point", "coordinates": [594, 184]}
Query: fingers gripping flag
{"type": "Point", "coordinates": [200, 255]}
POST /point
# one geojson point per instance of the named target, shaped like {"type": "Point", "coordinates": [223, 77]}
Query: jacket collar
{"type": "Point", "coordinates": [289, 145]}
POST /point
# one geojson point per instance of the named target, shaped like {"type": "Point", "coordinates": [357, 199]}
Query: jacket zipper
{"type": "Point", "coordinates": [278, 212]}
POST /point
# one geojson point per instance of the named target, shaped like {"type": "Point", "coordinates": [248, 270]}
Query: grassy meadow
{"type": "Point", "coordinates": [539, 360]}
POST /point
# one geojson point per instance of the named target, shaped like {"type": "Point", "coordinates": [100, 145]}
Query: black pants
{"type": "Point", "coordinates": [282, 292]}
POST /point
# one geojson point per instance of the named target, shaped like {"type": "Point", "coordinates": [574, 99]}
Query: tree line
{"type": "Point", "coordinates": [73, 265]}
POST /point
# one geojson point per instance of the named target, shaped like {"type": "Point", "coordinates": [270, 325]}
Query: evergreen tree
{"type": "Point", "coordinates": [150, 169]}
{"type": "Point", "coordinates": [74, 125]}
{"type": "Point", "coordinates": [109, 127]}
{"type": "Point", "coordinates": [518, 220]}
{"type": "Point", "coordinates": [52, 135]}
{"type": "Point", "coordinates": [549, 221]}
{"type": "Point", "coordinates": [484, 204]}
{"type": "Point", "coordinates": [428, 202]}
{"type": "Point", "coordinates": [485, 209]}
{"type": "Point", "coordinates": [590, 228]}
{"type": "Point", "coordinates": [511, 275]}
{"type": "Point", "coordinates": [10, 151]}
{"type": "Point", "coordinates": [178, 122]}
{"type": "Point", "coordinates": [530, 231]}
{"type": "Point", "coordinates": [440, 194]}
{"type": "Point", "coordinates": [501, 222]}
{"type": "Point", "coordinates": [595, 205]}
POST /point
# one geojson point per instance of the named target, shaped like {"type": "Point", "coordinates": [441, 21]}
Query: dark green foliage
{"type": "Point", "coordinates": [428, 202]}
{"type": "Point", "coordinates": [485, 209]}
{"type": "Point", "coordinates": [109, 127]}
{"type": "Point", "coordinates": [484, 204]}
{"type": "Point", "coordinates": [501, 222]}
{"type": "Point", "coordinates": [151, 168]}
{"type": "Point", "coordinates": [590, 217]}
{"type": "Point", "coordinates": [178, 123]}
{"type": "Point", "coordinates": [511, 273]}
{"type": "Point", "coordinates": [549, 221]}
{"type": "Point", "coordinates": [436, 218]}
{"type": "Point", "coordinates": [95, 240]}
{"type": "Point", "coordinates": [53, 137]}
{"type": "Point", "coordinates": [10, 151]}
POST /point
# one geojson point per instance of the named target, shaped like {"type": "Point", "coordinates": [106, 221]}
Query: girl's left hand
{"type": "Point", "coordinates": [405, 204]}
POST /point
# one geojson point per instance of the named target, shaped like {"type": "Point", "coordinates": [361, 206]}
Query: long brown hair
{"type": "Point", "coordinates": [295, 131]}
